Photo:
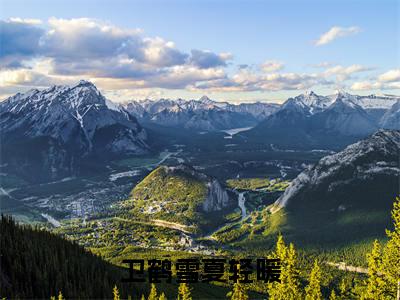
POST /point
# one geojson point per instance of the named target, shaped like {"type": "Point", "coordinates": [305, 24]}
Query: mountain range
{"type": "Point", "coordinates": [310, 120]}
{"type": "Point", "coordinates": [203, 114]}
{"type": "Point", "coordinates": [65, 130]}
{"type": "Point", "coordinates": [342, 112]}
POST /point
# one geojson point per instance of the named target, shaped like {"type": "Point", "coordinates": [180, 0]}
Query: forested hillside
{"type": "Point", "coordinates": [38, 264]}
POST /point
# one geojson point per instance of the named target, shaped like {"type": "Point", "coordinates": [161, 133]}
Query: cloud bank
{"type": "Point", "coordinates": [62, 51]}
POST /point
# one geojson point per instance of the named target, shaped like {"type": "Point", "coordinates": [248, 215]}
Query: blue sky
{"type": "Point", "coordinates": [243, 50]}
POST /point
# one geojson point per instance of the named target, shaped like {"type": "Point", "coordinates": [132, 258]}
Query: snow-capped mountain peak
{"type": "Point", "coordinates": [205, 99]}
{"type": "Point", "coordinates": [312, 102]}
{"type": "Point", "coordinates": [78, 119]}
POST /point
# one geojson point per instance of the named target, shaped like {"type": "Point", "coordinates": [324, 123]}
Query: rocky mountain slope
{"type": "Point", "coordinates": [352, 191]}
{"type": "Point", "coordinates": [50, 133]}
{"type": "Point", "coordinates": [361, 162]}
{"type": "Point", "coordinates": [391, 118]}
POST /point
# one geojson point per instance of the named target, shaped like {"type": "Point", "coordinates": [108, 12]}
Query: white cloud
{"type": "Point", "coordinates": [324, 64]}
{"type": "Point", "coordinates": [336, 32]}
{"type": "Point", "coordinates": [387, 80]}
{"type": "Point", "coordinates": [246, 80]}
{"type": "Point", "coordinates": [390, 76]}
{"type": "Point", "coordinates": [271, 66]}
{"type": "Point", "coordinates": [25, 21]}
{"type": "Point", "coordinates": [22, 77]}
{"type": "Point", "coordinates": [365, 85]}
{"type": "Point", "coordinates": [343, 73]}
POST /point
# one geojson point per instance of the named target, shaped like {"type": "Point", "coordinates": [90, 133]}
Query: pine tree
{"type": "Point", "coordinates": [60, 296]}
{"type": "Point", "coordinates": [289, 287]}
{"type": "Point", "coordinates": [153, 292]}
{"type": "Point", "coordinates": [343, 289]}
{"type": "Point", "coordinates": [116, 293]}
{"type": "Point", "coordinates": [143, 297]}
{"type": "Point", "coordinates": [162, 296]}
{"type": "Point", "coordinates": [313, 290]}
{"type": "Point", "coordinates": [391, 257]}
{"type": "Point", "coordinates": [239, 293]}
{"type": "Point", "coordinates": [281, 249]}
{"type": "Point", "coordinates": [184, 292]}
{"type": "Point", "coordinates": [375, 284]}
{"type": "Point", "coordinates": [333, 296]}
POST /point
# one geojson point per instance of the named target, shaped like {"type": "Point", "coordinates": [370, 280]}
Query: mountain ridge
{"type": "Point", "coordinates": [66, 125]}
{"type": "Point", "coordinates": [310, 120]}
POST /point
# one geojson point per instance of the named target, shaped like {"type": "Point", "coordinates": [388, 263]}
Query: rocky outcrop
{"type": "Point", "coordinates": [217, 197]}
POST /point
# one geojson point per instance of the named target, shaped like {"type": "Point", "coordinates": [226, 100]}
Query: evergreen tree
{"type": "Point", "coordinates": [313, 290]}
{"type": "Point", "coordinates": [153, 292]}
{"type": "Point", "coordinates": [162, 296]}
{"type": "Point", "coordinates": [184, 292]}
{"type": "Point", "coordinates": [289, 287]}
{"type": "Point", "coordinates": [116, 293]}
{"type": "Point", "coordinates": [60, 296]}
{"type": "Point", "coordinates": [143, 297]}
{"type": "Point", "coordinates": [375, 284]}
{"type": "Point", "coordinates": [333, 296]}
{"type": "Point", "coordinates": [391, 257]}
{"type": "Point", "coordinates": [281, 249]}
{"type": "Point", "coordinates": [343, 289]}
{"type": "Point", "coordinates": [239, 292]}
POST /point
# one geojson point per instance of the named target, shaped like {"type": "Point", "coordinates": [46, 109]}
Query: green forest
{"type": "Point", "coordinates": [38, 264]}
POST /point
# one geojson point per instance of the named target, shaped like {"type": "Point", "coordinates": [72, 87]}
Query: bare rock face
{"type": "Point", "coordinates": [217, 197]}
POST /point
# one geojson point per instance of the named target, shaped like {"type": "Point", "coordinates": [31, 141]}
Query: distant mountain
{"type": "Point", "coordinates": [352, 191]}
{"type": "Point", "coordinates": [181, 195]}
{"type": "Point", "coordinates": [370, 102]}
{"type": "Point", "coordinates": [374, 105]}
{"type": "Point", "coordinates": [310, 120]}
{"type": "Point", "coordinates": [203, 114]}
{"type": "Point", "coordinates": [311, 102]}
{"type": "Point", "coordinates": [344, 117]}
{"type": "Point", "coordinates": [51, 133]}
